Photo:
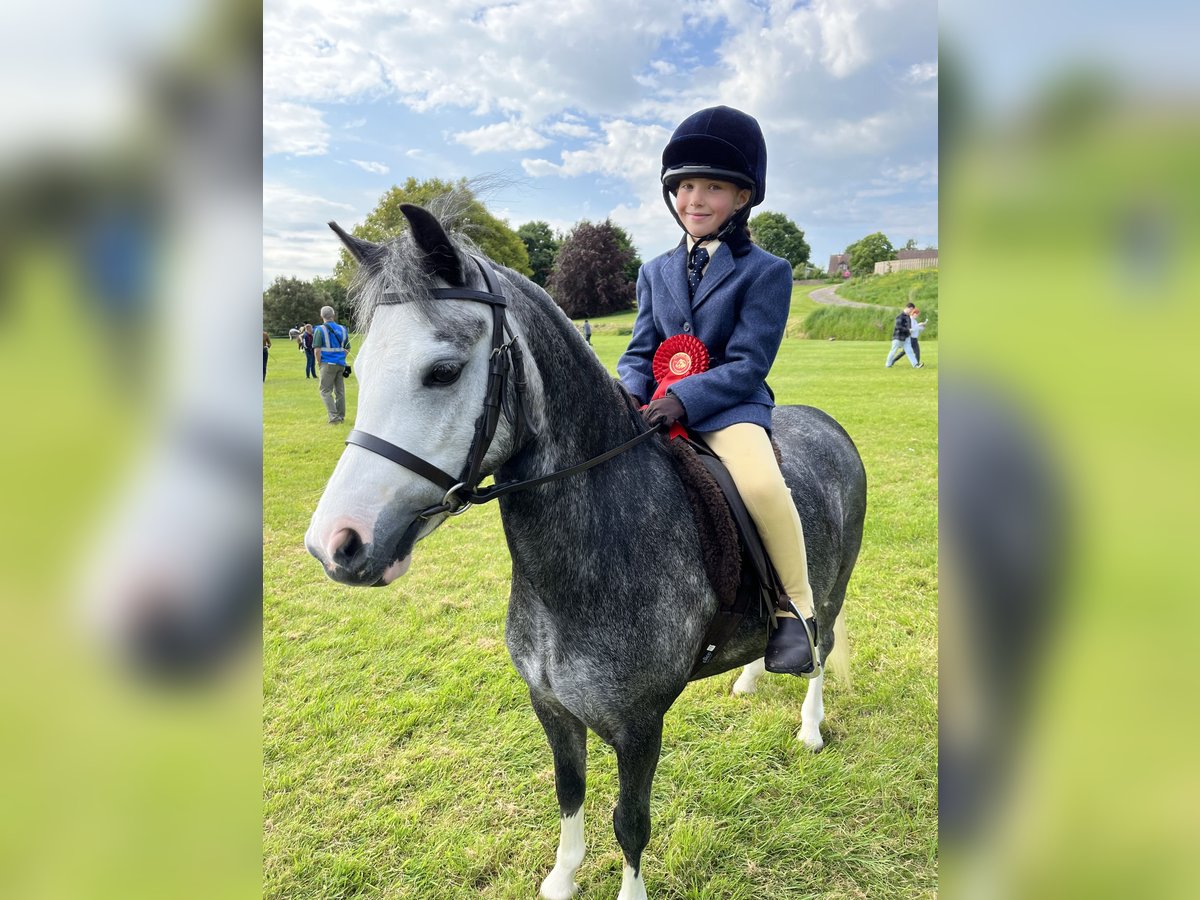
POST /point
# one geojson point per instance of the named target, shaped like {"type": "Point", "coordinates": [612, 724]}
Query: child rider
{"type": "Point", "coordinates": [734, 297]}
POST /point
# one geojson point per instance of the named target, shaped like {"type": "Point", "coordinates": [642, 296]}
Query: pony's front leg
{"type": "Point", "coordinates": [747, 682]}
{"type": "Point", "coordinates": [637, 758]}
{"type": "Point", "coordinates": [812, 714]}
{"type": "Point", "coordinates": [568, 741]}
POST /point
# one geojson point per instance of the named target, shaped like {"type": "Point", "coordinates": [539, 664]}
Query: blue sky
{"type": "Point", "coordinates": [571, 102]}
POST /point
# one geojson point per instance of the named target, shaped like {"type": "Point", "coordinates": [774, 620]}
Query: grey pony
{"type": "Point", "coordinates": [609, 599]}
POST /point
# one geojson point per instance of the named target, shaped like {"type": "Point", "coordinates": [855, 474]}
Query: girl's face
{"type": "Point", "coordinates": [704, 205]}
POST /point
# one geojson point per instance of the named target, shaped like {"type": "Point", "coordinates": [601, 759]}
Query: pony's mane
{"type": "Point", "coordinates": [401, 267]}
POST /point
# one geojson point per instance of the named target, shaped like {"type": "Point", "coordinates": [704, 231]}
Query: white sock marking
{"type": "Point", "coordinates": [632, 886]}
{"type": "Point", "coordinates": [747, 682]}
{"type": "Point", "coordinates": [812, 714]}
{"type": "Point", "coordinates": [560, 883]}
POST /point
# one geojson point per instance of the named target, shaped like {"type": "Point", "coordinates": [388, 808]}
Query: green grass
{"type": "Point", "coordinates": [919, 286]}
{"type": "Point", "coordinates": [402, 759]}
{"type": "Point", "coordinates": [890, 292]}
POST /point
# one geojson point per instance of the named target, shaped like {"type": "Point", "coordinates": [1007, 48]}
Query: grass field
{"type": "Point", "coordinates": [890, 292]}
{"type": "Point", "coordinates": [402, 758]}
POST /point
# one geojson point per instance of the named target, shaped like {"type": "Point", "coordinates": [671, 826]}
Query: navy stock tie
{"type": "Point", "coordinates": [696, 264]}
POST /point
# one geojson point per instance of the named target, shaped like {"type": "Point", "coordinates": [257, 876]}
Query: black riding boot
{"type": "Point", "coordinates": [791, 648]}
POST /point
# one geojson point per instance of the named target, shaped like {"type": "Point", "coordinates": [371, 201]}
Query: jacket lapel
{"type": "Point", "coordinates": [676, 277]}
{"type": "Point", "coordinates": [720, 267]}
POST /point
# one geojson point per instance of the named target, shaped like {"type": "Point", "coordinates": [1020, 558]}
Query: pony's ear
{"type": "Point", "coordinates": [365, 252]}
{"type": "Point", "coordinates": [440, 256]}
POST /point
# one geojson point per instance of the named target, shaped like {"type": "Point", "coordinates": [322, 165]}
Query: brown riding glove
{"type": "Point", "coordinates": [666, 410]}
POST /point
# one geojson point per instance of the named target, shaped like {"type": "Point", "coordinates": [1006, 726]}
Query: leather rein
{"type": "Point", "coordinates": [505, 362]}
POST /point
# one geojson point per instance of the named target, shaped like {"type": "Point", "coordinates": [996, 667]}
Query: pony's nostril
{"type": "Point", "coordinates": [348, 548]}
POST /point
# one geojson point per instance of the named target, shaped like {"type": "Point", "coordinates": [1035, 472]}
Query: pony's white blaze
{"type": "Point", "coordinates": [560, 883]}
{"type": "Point", "coordinates": [373, 495]}
{"type": "Point", "coordinates": [632, 886]}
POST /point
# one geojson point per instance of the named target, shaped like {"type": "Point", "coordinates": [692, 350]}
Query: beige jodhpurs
{"type": "Point", "coordinates": [745, 449]}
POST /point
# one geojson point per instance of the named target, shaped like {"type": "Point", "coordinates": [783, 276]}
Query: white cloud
{"type": "Point", "coordinates": [919, 73]}
{"type": "Point", "coordinates": [294, 129]}
{"type": "Point", "coordinates": [501, 137]}
{"type": "Point", "coordinates": [296, 240]}
{"type": "Point", "coordinates": [376, 168]}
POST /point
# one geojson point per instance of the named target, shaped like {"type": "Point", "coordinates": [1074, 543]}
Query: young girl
{"type": "Point", "coordinates": [734, 297]}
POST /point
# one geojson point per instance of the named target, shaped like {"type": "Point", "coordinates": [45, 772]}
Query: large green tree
{"type": "Point", "coordinates": [865, 252]}
{"type": "Point", "coordinates": [778, 234]}
{"type": "Point", "coordinates": [493, 235]}
{"type": "Point", "coordinates": [289, 302]}
{"type": "Point", "coordinates": [541, 245]}
{"type": "Point", "coordinates": [590, 277]}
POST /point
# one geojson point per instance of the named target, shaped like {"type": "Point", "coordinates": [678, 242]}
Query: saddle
{"type": "Point", "coordinates": [735, 560]}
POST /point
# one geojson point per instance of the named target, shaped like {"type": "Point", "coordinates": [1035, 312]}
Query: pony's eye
{"type": "Point", "coordinates": [443, 373]}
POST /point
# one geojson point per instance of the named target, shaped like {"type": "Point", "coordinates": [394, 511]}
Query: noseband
{"type": "Point", "coordinates": [506, 360]}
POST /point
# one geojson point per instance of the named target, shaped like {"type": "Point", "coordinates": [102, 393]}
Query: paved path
{"type": "Point", "coordinates": [828, 296]}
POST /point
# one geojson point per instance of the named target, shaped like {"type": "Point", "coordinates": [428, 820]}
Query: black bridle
{"type": "Point", "coordinates": [505, 360]}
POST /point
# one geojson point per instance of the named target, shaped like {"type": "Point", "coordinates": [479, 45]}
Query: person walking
{"type": "Point", "coordinates": [266, 352]}
{"type": "Point", "coordinates": [330, 342]}
{"type": "Point", "coordinates": [587, 331]}
{"type": "Point", "coordinates": [310, 359]}
{"type": "Point", "coordinates": [914, 336]}
{"type": "Point", "coordinates": [902, 337]}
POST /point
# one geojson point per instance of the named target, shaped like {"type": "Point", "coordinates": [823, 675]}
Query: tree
{"type": "Point", "coordinates": [541, 245]}
{"type": "Point", "coordinates": [334, 290]}
{"type": "Point", "coordinates": [626, 243]}
{"type": "Point", "coordinates": [778, 234]}
{"type": "Point", "coordinates": [910, 244]}
{"type": "Point", "coordinates": [289, 302]}
{"type": "Point", "coordinates": [493, 235]}
{"type": "Point", "coordinates": [589, 276]}
{"type": "Point", "coordinates": [865, 252]}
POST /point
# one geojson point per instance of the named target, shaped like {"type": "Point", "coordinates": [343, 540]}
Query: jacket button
{"type": "Point", "coordinates": [687, 327]}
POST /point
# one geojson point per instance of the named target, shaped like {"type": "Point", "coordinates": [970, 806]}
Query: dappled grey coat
{"type": "Point", "coordinates": [739, 312]}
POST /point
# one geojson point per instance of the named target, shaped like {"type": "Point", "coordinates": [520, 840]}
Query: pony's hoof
{"type": "Point", "coordinates": [744, 687]}
{"type": "Point", "coordinates": [811, 738]}
{"type": "Point", "coordinates": [558, 886]}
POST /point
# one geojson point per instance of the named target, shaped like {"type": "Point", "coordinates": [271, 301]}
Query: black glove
{"type": "Point", "coordinates": [666, 410]}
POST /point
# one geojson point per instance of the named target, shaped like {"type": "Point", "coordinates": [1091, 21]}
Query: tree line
{"type": "Point", "coordinates": [590, 271]}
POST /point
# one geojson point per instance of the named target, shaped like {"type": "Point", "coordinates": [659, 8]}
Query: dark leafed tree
{"type": "Point", "coordinates": [590, 272]}
{"type": "Point", "coordinates": [541, 245]}
{"type": "Point", "coordinates": [289, 302]}
{"type": "Point", "coordinates": [865, 252]}
{"type": "Point", "coordinates": [493, 235]}
{"type": "Point", "coordinates": [778, 234]}
{"type": "Point", "coordinates": [635, 261]}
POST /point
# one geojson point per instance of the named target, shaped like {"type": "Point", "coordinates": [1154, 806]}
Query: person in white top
{"type": "Point", "coordinates": [913, 336]}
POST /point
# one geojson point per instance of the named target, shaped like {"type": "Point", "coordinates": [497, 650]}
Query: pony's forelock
{"type": "Point", "coordinates": [401, 269]}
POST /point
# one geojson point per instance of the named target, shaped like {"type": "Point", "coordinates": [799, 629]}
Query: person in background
{"type": "Point", "coordinates": [902, 337]}
{"type": "Point", "coordinates": [310, 359]}
{"type": "Point", "coordinates": [266, 351]}
{"type": "Point", "coordinates": [914, 336]}
{"type": "Point", "coordinates": [587, 331]}
{"type": "Point", "coordinates": [331, 341]}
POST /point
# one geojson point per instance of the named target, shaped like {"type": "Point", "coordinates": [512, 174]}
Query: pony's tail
{"type": "Point", "coordinates": [839, 656]}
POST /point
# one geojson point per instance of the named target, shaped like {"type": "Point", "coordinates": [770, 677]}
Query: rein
{"type": "Point", "coordinates": [506, 358]}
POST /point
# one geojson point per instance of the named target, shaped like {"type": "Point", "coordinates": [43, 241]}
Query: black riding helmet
{"type": "Point", "coordinates": [723, 144]}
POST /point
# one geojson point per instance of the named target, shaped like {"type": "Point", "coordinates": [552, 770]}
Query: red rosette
{"type": "Point", "coordinates": [676, 358]}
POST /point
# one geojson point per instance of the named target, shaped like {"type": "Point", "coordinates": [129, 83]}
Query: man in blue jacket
{"type": "Point", "coordinates": [330, 342]}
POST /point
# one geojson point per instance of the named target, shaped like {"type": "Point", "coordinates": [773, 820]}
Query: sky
{"type": "Point", "coordinates": [570, 103]}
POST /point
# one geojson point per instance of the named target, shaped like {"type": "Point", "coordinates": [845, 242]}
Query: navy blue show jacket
{"type": "Point", "coordinates": [739, 312]}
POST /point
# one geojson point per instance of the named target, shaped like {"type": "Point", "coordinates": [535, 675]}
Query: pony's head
{"type": "Point", "coordinates": [423, 376]}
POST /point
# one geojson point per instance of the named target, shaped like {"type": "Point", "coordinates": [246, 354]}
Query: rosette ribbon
{"type": "Point", "coordinates": [675, 359]}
